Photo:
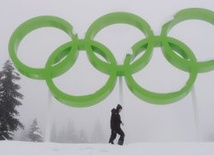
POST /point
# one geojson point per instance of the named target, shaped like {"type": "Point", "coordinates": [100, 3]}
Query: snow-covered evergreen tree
{"type": "Point", "coordinates": [54, 137]}
{"type": "Point", "coordinates": [35, 134]}
{"type": "Point", "coordinates": [9, 96]}
{"type": "Point", "coordinates": [68, 134]}
{"type": "Point", "coordinates": [98, 135]}
{"type": "Point", "coordinates": [83, 137]}
{"type": "Point", "coordinates": [71, 136]}
{"type": "Point", "coordinates": [61, 135]}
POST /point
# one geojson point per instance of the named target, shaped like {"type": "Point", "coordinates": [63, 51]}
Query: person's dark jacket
{"type": "Point", "coordinates": [115, 119]}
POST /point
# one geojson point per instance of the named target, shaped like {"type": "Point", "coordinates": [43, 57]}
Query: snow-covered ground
{"type": "Point", "coordinates": [29, 148]}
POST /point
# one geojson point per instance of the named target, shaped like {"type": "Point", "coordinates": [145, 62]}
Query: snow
{"type": "Point", "coordinates": [145, 148]}
{"type": "Point", "coordinates": [38, 134]}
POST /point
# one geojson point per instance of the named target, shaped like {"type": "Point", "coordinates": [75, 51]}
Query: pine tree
{"type": "Point", "coordinates": [54, 137]}
{"type": "Point", "coordinates": [68, 134]}
{"type": "Point", "coordinates": [9, 96]}
{"type": "Point", "coordinates": [83, 137]}
{"type": "Point", "coordinates": [71, 133]}
{"type": "Point", "coordinates": [35, 134]}
{"type": "Point", "coordinates": [98, 135]}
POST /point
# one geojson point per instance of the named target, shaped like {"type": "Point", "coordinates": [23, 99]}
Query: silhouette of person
{"type": "Point", "coordinates": [115, 123]}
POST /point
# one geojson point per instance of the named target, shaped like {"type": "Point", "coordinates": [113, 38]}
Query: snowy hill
{"type": "Point", "coordinates": [29, 148]}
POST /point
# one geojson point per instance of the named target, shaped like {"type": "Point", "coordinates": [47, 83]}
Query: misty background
{"type": "Point", "coordinates": [143, 122]}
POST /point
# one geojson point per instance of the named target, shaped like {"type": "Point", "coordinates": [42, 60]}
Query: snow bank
{"type": "Point", "coordinates": [29, 148]}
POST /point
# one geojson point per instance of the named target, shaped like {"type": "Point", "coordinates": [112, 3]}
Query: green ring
{"type": "Point", "coordinates": [162, 98]}
{"type": "Point", "coordinates": [84, 100]}
{"type": "Point", "coordinates": [26, 28]}
{"type": "Point", "coordinates": [110, 19]}
{"type": "Point", "coordinates": [190, 14]}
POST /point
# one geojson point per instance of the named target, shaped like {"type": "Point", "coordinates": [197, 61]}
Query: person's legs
{"type": "Point", "coordinates": [122, 136]}
{"type": "Point", "coordinates": [113, 136]}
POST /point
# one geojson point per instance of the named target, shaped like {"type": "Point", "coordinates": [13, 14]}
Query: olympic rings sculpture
{"type": "Point", "coordinates": [63, 58]}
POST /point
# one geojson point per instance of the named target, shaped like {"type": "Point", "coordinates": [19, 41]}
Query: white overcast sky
{"type": "Point", "coordinates": [143, 121]}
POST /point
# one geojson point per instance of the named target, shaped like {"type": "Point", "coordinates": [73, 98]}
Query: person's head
{"type": "Point", "coordinates": [119, 108]}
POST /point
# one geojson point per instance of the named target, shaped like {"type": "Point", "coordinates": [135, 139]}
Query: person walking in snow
{"type": "Point", "coordinates": [115, 123]}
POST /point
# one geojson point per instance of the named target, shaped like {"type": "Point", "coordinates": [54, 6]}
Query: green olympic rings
{"type": "Point", "coordinates": [63, 58]}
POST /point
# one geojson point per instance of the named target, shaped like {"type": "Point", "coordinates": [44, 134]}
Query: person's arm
{"type": "Point", "coordinates": [120, 120]}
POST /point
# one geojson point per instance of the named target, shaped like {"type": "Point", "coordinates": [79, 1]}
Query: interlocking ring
{"type": "Point", "coordinates": [27, 27]}
{"type": "Point", "coordinates": [62, 59]}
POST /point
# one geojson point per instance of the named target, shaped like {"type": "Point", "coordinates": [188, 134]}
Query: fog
{"type": "Point", "coordinates": [184, 120]}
